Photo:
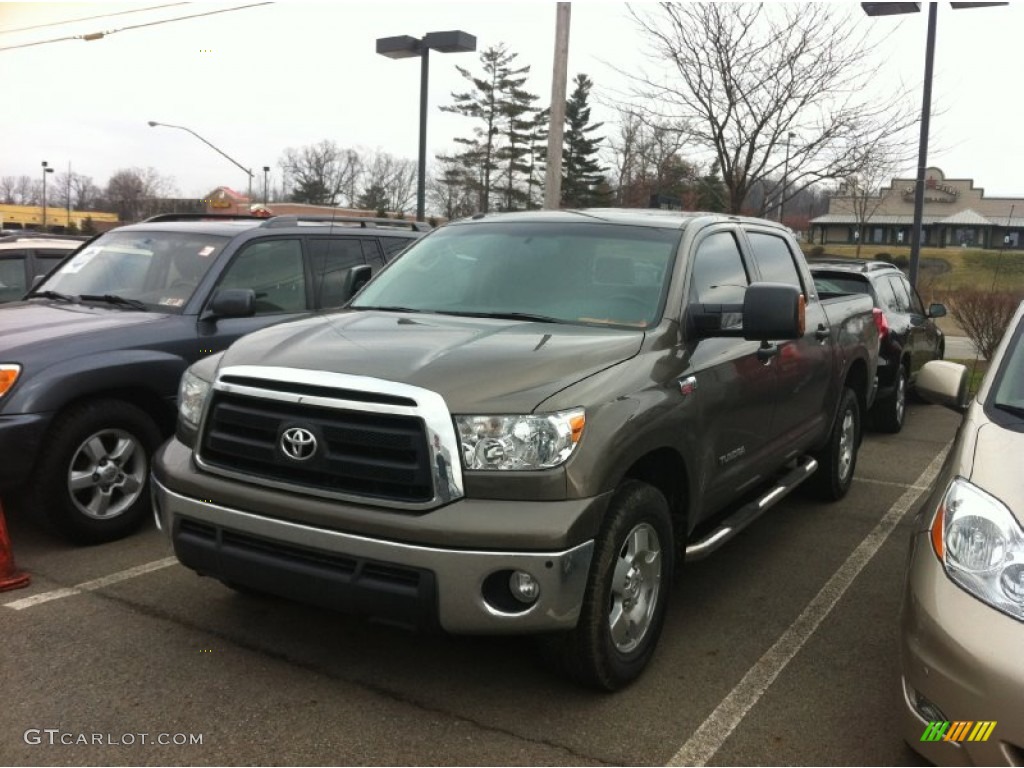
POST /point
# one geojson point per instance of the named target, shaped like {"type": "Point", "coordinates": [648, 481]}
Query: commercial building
{"type": "Point", "coordinates": [57, 219]}
{"type": "Point", "coordinates": [956, 214]}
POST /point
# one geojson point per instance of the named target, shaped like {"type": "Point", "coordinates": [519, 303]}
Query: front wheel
{"type": "Point", "coordinates": [626, 595]}
{"type": "Point", "coordinates": [92, 481]}
{"type": "Point", "coordinates": [837, 460]}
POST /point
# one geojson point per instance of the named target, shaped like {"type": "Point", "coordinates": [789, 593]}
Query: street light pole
{"type": "Point", "coordinates": [46, 170]}
{"type": "Point", "coordinates": [785, 178]}
{"type": "Point", "coordinates": [222, 153]}
{"type": "Point", "coordinates": [556, 125]}
{"type": "Point", "coordinates": [406, 46]}
{"type": "Point", "coordinates": [266, 170]}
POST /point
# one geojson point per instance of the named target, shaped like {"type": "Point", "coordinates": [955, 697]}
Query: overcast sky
{"type": "Point", "coordinates": [256, 81]}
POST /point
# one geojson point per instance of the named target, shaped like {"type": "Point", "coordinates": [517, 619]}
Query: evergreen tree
{"type": "Point", "coordinates": [374, 198]}
{"type": "Point", "coordinates": [538, 159]}
{"type": "Point", "coordinates": [581, 170]}
{"type": "Point", "coordinates": [711, 192]}
{"type": "Point", "coordinates": [487, 103]}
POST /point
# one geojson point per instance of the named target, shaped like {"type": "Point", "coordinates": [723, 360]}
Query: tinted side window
{"type": "Point", "coordinates": [274, 270]}
{"type": "Point", "coordinates": [915, 301]}
{"type": "Point", "coordinates": [394, 245]}
{"type": "Point", "coordinates": [774, 259]}
{"type": "Point", "coordinates": [12, 277]}
{"type": "Point", "coordinates": [886, 297]}
{"type": "Point", "coordinates": [372, 253]}
{"type": "Point", "coordinates": [902, 297]}
{"type": "Point", "coordinates": [719, 276]}
{"type": "Point", "coordinates": [332, 259]}
{"type": "Point", "coordinates": [47, 260]}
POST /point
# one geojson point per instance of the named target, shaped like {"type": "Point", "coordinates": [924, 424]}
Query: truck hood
{"type": "Point", "coordinates": [24, 324]}
{"type": "Point", "coordinates": [479, 365]}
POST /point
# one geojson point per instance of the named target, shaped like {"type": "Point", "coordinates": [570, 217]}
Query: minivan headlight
{"type": "Point", "coordinates": [535, 441]}
{"type": "Point", "coordinates": [981, 546]}
{"type": "Point", "coordinates": [192, 394]}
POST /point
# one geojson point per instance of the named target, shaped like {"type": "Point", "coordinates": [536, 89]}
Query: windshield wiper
{"type": "Point", "coordinates": [50, 295]}
{"type": "Point", "coordinates": [506, 316]}
{"type": "Point", "coordinates": [1016, 410]}
{"type": "Point", "coordinates": [389, 309]}
{"type": "Point", "coordinates": [112, 298]}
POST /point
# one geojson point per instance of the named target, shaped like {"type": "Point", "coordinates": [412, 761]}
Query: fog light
{"type": "Point", "coordinates": [524, 587]}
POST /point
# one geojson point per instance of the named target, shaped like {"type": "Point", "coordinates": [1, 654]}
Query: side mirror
{"type": "Point", "coordinates": [769, 312]}
{"type": "Point", "coordinates": [943, 383]}
{"type": "Point", "coordinates": [936, 310]}
{"type": "Point", "coordinates": [356, 278]}
{"type": "Point", "coordinates": [231, 302]}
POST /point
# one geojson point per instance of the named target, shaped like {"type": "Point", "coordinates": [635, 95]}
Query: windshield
{"type": "Point", "coordinates": [1008, 385]}
{"type": "Point", "coordinates": [573, 273]}
{"type": "Point", "coordinates": [159, 269]}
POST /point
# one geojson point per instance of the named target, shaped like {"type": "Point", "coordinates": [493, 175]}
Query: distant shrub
{"type": "Point", "coordinates": [984, 316]}
{"type": "Point", "coordinates": [900, 261]}
{"type": "Point", "coordinates": [817, 250]}
{"type": "Point", "coordinates": [883, 257]}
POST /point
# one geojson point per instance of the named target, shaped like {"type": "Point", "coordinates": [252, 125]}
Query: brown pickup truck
{"type": "Point", "coordinates": [522, 425]}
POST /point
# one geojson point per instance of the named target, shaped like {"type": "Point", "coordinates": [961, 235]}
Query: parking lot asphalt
{"type": "Point", "coordinates": [782, 648]}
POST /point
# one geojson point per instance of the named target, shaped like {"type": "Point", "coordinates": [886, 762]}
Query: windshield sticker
{"type": "Point", "coordinates": [207, 250]}
{"type": "Point", "coordinates": [169, 301]}
{"type": "Point", "coordinates": [79, 261]}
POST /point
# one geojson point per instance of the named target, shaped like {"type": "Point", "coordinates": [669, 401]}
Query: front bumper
{"type": "Point", "coordinates": [965, 659]}
{"type": "Point", "coordinates": [21, 436]}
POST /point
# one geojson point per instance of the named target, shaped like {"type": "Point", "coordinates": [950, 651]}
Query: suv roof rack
{"type": "Point", "coordinates": [29, 234]}
{"type": "Point", "coordinates": [200, 217]}
{"type": "Point", "coordinates": [290, 220]}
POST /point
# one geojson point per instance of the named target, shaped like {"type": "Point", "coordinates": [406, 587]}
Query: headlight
{"type": "Point", "coordinates": [192, 394]}
{"type": "Point", "coordinates": [9, 374]}
{"type": "Point", "coordinates": [981, 545]}
{"type": "Point", "coordinates": [519, 442]}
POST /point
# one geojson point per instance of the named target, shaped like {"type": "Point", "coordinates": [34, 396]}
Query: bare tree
{"type": "Point", "coordinates": [388, 181]}
{"type": "Point", "coordinates": [874, 166]}
{"type": "Point", "coordinates": [20, 190]}
{"type": "Point", "coordinates": [129, 187]}
{"type": "Point", "coordinates": [320, 173]}
{"type": "Point", "coordinates": [449, 192]}
{"type": "Point", "coordinates": [646, 159]}
{"type": "Point", "coordinates": [742, 76]}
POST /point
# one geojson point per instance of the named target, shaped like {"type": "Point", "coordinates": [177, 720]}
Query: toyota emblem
{"type": "Point", "coordinates": [298, 443]}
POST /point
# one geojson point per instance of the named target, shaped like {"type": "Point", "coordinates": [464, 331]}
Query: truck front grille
{"type": "Point", "coordinates": [359, 453]}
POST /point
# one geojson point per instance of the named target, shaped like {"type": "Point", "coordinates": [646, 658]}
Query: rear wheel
{"type": "Point", "coordinates": [627, 593]}
{"type": "Point", "coordinates": [837, 460]}
{"type": "Point", "coordinates": [888, 414]}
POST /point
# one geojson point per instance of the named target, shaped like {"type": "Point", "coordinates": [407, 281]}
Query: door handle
{"type": "Point", "coordinates": [822, 333]}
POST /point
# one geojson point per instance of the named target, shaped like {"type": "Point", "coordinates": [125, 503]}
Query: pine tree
{"type": "Point", "coordinates": [489, 104]}
{"type": "Point", "coordinates": [582, 172]}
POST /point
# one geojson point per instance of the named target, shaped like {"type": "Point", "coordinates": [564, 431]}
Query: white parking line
{"type": "Point", "coordinates": [713, 732]}
{"type": "Point", "coordinates": [89, 586]}
{"type": "Point", "coordinates": [890, 482]}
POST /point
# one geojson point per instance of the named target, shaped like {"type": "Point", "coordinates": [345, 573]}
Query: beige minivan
{"type": "Point", "coordinates": [963, 608]}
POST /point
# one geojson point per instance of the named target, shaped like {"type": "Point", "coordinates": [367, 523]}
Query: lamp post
{"type": "Point", "coordinates": [222, 153]}
{"type": "Point", "coordinates": [785, 178]}
{"type": "Point", "coordinates": [891, 9]}
{"type": "Point", "coordinates": [266, 183]}
{"type": "Point", "coordinates": [404, 47]}
{"type": "Point", "coordinates": [46, 169]}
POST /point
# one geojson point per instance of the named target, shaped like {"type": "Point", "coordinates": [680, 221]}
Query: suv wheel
{"type": "Point", "coordinates": [888, 414]}
{"type": "Point", "coordinates": [838, 459]}
{"type": "Point", "coordinates": [93, 481]}
{"type": "Point", "coordinates": [627, 593]}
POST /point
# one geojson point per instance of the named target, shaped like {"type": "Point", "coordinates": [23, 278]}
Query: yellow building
{"type": "Point", "coordinates": [57, 219]}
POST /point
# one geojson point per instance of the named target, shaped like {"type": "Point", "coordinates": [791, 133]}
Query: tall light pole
{"type": "Point", "coordinates": [266, 183]}
{"type": "Point", "coordinates": [891, 9]}
{"type": "Point", "coordinates": [222, 153]}
{"type": "Point", "coordinates": [46, 169]}
{"type": "Point", "coordinates": [785, 178]}
{"type": "Point", "coordinates": [405, 47]}
{"type": "Point", "coordinates": [556, 126]}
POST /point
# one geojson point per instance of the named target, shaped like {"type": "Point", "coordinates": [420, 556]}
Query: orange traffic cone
{"type": "Point", "coordinates": [10, 577]}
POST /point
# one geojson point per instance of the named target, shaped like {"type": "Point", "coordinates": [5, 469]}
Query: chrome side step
{"type": "Point", "coordinates": [748, 513]}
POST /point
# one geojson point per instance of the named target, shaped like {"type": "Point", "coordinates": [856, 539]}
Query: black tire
{"type": "Point", "coordinates": [107, 445]}
{"type": "Point", "coordinates": [590, 653]}
{"type": "Point", "coordinates": [837, 460]}
{"type": "Point", "coordinates": [888, 414]}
